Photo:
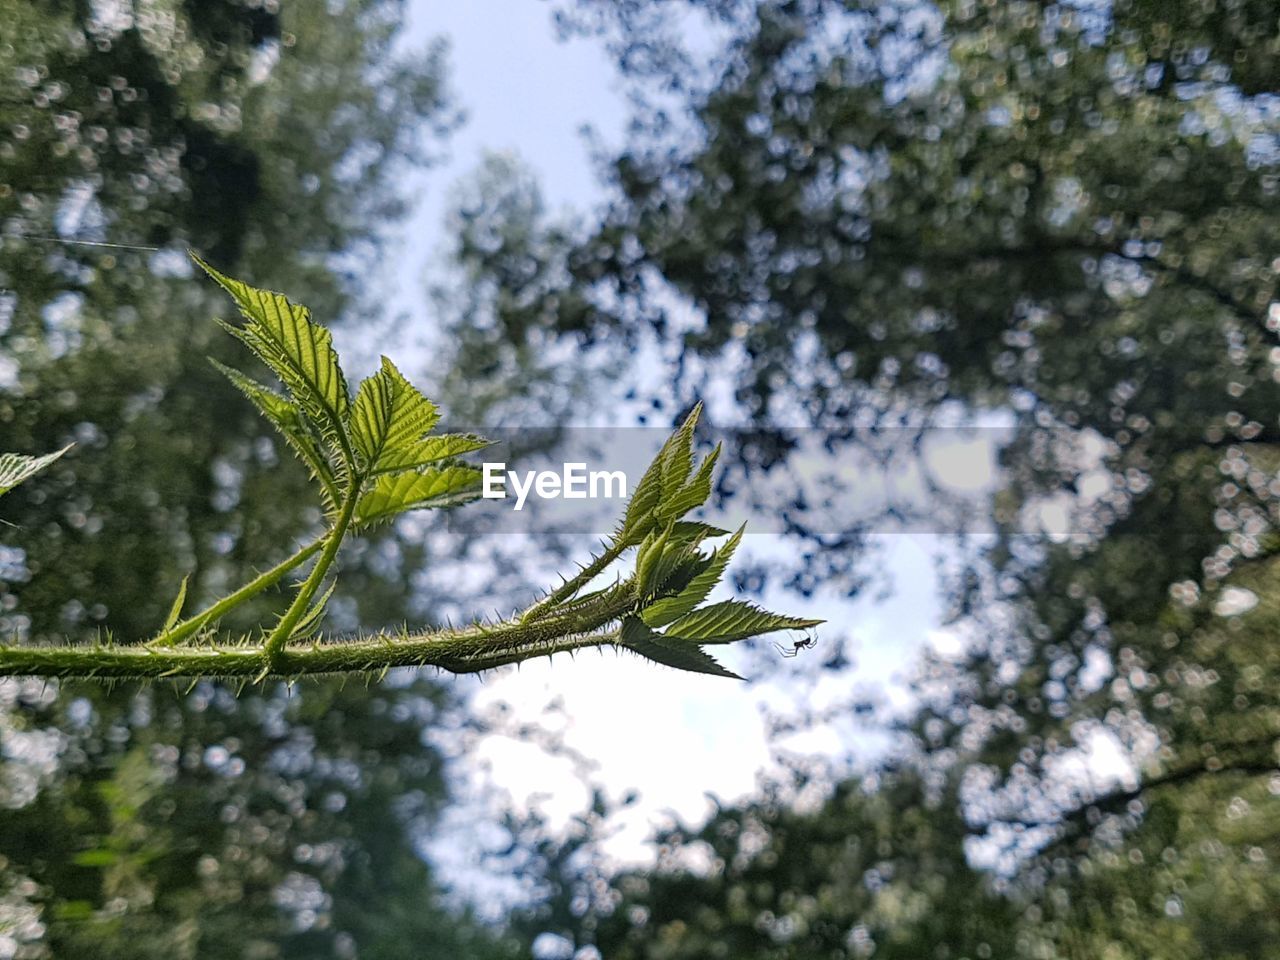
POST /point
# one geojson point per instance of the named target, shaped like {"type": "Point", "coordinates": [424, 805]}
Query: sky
{"type": "Point", "coordinates": [523, 92]}
{"type": "Point", "coordinates": [675, 737]}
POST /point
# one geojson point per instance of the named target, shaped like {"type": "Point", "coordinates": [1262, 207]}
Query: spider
{"type": "Point", "coordinates": [806, 642]}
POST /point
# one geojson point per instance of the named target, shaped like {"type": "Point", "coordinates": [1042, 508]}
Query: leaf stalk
{"type": "Point", "coordinates": [571, 586]}
{"type": "Point", "coordinates": [283, 630]}
{"type": "Point", "coordinates": [270, 578]}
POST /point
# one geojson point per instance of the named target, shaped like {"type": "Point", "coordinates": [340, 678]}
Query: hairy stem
{"type": "Point", "coordinates": [458, 650]}
{"type": "Point", "coordinates": [189, 626]}
{"type": "Point", "coordinates": [280, 635]}
{"type": "Point", "coordinates": [566, 590]}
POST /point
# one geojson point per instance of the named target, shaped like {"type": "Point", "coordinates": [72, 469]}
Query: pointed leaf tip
{"type": "Point", "coordinates": [732, 620]}
{"type": "Point", "coordinates": [299, 351]}
{"type": "Point", "coordinates": [669, 609]}
{"type": "Point", "coordinates": [175, 611]}
{"type": "Point", "coordinates": [665, 480]}
{"type": "Point", "coordinates": [390, 421]}
{"type": "Point", "coordinates": [15, 468]}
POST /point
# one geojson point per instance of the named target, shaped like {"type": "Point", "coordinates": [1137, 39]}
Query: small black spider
{"type": "Point", "coordinates": [806, 642]}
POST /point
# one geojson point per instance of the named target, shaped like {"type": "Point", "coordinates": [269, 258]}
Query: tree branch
{"type": "Point", "coordinates": [1203, 284]}
{"type": "Point", "coordinates": [1116, 802]}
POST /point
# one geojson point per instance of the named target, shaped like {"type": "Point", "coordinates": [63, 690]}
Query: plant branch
{"type": "Point", "coordinates": [387, 466]}
{"type": "Point", "coordinates": [189, 626]}
{"type": "Point", "coordinates": [275, 642]}
{"type": "Point", "coordinates": [458, 650]}
{"type": "Point", "coordinates": [1118, 800]}
{"type": "Point", "coordinates": [571, 586]}
{"type": "Point", "coordinates": [1204, 285]}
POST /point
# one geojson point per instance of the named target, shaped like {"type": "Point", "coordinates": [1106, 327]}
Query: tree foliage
{"type": "Point", "coordinates": [205, 825]}
{"type": "Point", "coordinates": [883, 213]}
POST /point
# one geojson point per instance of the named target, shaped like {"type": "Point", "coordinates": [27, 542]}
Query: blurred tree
{"type": "Point", "coordinates": [1066, 212]}
{"type": "Point", "coordinates": [153, 822]}
{"type": "Point", "coordinates": [507, 257]}
{"type": "Point", "coordinates": [206, 825]}
{"type": "Point", "coordinates": [878, 869]}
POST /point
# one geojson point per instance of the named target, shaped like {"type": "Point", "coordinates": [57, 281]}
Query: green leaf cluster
{"type": "Point", "coordinates": [672, 575]}
{"type": "Point", "coordinates": [373, 449]}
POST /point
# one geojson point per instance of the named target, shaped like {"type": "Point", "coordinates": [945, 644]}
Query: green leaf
{"type": "Point", "coordinates": [287, 418]}
{"type": "Point", "coordinates": [693, 532]}
{"type": "Point", "coordinates": [677, 566]}
{"type": "Point", "coordinates": [677, 454]}
{"type": "Point", "coordinates": [692, 495]}
{"type": "Point", "coordinates": [298, 350]}
{"type": "Point", "coordinates": [310, 621]}
{"type": "Point", "coordinates": [647, 558]}
{"type": "Point", "coordinates": [432, 450]}
{"type": "Point", "coordinates": [389, 421]}
{"type": "Point", "coordinates": [175, 611]}
{"type": "Point", "coordinates": [16, 468]}
{"type": "Point", "coordinates": [394, 494]}
{"type": "Point", "coordinates": [690, 657]}
{"type": "Point", "coordinates": [670, 467]}
{"type": "Point", "coordinates": [670, 609]}
{"type": "Point", "coordinates": [100, 857]}
{"type": "Point", "coordinates": [732, 620]}
{"type": "Point", "coordinates": [647, 495]}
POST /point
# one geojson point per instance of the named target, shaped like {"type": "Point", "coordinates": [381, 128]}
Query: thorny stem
{"type": "Point", "coordinates": [458, 650]}
{"type": "Point", "coordinates": [275, 642]}
{"type": "Point", "coordinates": [567, 589]}
{"type": "Point", "coordinates": [189, 626]}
